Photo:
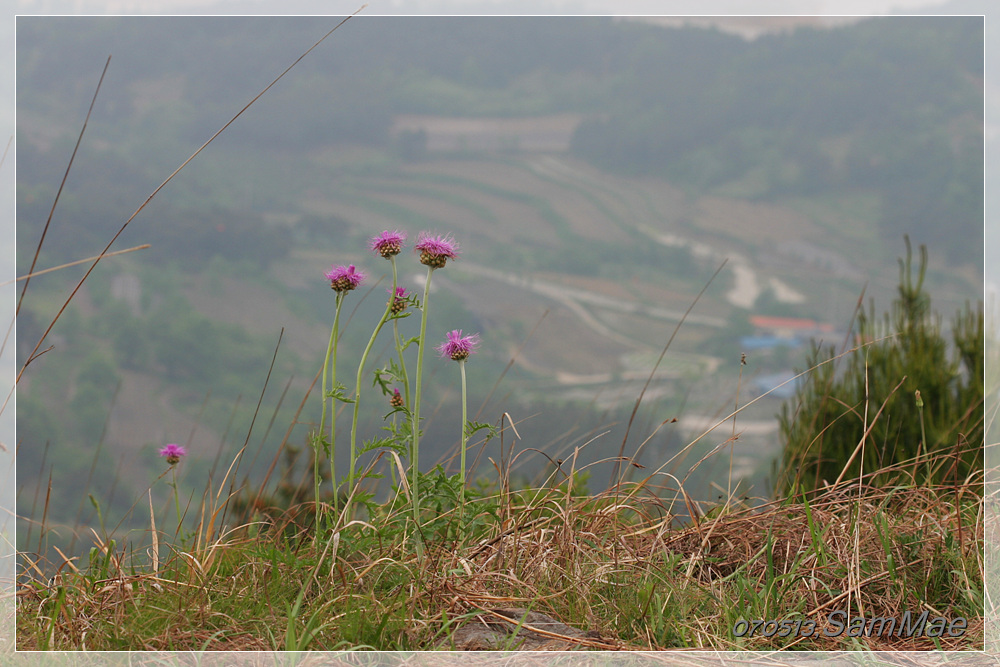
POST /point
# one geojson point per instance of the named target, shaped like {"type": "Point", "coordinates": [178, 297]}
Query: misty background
{"type": "Point", "coordinates": [621, 182]}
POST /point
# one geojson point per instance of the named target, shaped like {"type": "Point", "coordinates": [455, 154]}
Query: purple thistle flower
{"type": "Point", "coordinates": [344, 278]}
{"type": "Point", "coordinates": [398, 303]}
{"type": "Point", "coordinates": [436, 250]}
{"type": "Point", "coordinates": [388, 244]}
{"type": "Point", "coordinates": [458, 347]}
{"type": "Point", "coordinates": [173, 453]}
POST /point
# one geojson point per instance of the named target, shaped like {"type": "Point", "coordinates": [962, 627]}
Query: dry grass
{"type": "Point", "coordinates": [622, 572]}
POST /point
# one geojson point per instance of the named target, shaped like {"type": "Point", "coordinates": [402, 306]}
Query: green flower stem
{"type": "Point", "coordinates": [402, 364]}
{"type": "Point", "coordinates": [404, 379]}
{"type": "Point", "coordinates": [415, 455]}
{"type": "Point", "coordinates": [361, 366]}
{"type": "Point", "coordinates": [465, 420]}
{"type": "Point", "coordinates": [331, 355]}
{"type": "Point", "coordinates": [177, 501]}
{"type": "Point", "coordinates": [399, 343]}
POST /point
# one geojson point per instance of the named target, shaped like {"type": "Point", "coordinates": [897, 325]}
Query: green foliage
{"type": "Point", "coordinates": [296, 639]}
{"type": "Point", "coordinates": [99, 372]}
{"type": "Point", "coordinates": [36, 425]}
{"type": "Point", "coordinates": [192, 347]}
{"type": "Point", "coordinates": [875, 388]}
{"type": "Point", "coordinates": [103, 198]}
{"type": "Point", "coordinates": [95, 387]}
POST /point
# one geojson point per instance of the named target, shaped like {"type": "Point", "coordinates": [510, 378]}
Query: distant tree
{"type": "Point", "coordinates": [192, 237]}
{"type": "Point", "coordinates": [38, 424]}
{"type": "Point", "coordinates": [100, 372]}
{"type": "Point", "coordinates": [93, 393]}
{"type": "Point", "coordinates": [904, 353]}
{"type": "Point", "coordinates": [130, 344]}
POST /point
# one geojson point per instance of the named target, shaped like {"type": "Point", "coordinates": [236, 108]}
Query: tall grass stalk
{"type": "Point", "coordinates": [923, 431]}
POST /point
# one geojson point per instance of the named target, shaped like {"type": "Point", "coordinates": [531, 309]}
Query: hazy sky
{"type": "Point", "coordinates": [698, 7]}
{"type": "Point", "coordinates": [497, 6]}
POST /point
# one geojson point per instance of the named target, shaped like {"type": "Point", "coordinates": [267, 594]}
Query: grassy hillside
{"type": "Point", "coordinates": [586, 230]}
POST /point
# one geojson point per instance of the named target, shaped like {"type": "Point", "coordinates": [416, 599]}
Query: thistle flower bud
{"type": "Point", "coordinates": [397, 303]}
{"type": "Point", "coordinates": [396, 400]}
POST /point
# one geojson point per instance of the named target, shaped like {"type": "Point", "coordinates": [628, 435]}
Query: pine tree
{"type": "Point", "coordinates": [903, 402]}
